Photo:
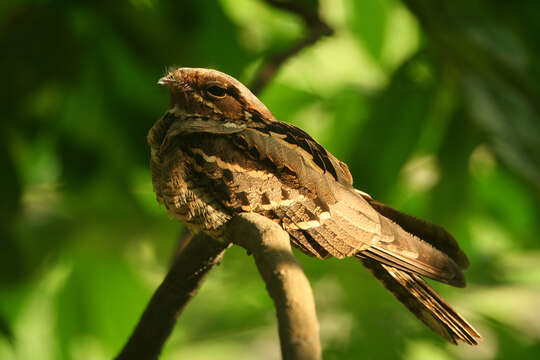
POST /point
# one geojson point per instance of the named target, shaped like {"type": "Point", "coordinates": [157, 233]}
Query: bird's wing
{"type": "Point", "coordinates": [299, 141]}
{"type": "Point", "coordinates": [434, 234]}
{"type": "Point", "coordinates": [266, 172]}
{"type": "Point", "coordinates": [357, 229]}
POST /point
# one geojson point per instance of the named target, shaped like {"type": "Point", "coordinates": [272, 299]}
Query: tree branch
{"type": "Point", "coordinates": [285, 281]}
{"type": "Point", "coordinates": [317, 29]}
{"type": "Point", "coordinates": [181, 283]}
{"type": "Point", "coordinates": [284, 278]}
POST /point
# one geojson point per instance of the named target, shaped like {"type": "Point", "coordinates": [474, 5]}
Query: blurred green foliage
{"type": "Point", "coordinates": [434, 105]}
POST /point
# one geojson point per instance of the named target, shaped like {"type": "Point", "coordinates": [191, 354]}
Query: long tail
{"type": "Point", "coordinates": [424, 302]}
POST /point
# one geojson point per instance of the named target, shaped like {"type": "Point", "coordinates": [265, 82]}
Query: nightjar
{"type": "Point", "coordinates": [218, 151]}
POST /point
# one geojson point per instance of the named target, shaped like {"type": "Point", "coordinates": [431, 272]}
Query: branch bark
{"type": "Point", "coordinates": [183, 280]}
{"type": "Point", "coordinates": [285, 281]}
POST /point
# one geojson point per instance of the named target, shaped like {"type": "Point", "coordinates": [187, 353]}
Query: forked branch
{"type": "Point", "coordinates": [284, 278]}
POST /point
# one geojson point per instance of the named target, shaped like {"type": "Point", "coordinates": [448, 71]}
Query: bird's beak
{"type": "Point", "coordinates": [166, 80]}
{"type": "Point", "coordinates": [178, 86]}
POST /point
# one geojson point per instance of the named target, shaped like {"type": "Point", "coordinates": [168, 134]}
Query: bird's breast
{"type": "Point", "coordinates": [184, 195]}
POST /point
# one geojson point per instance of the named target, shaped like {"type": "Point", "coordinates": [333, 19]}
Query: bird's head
{"type": "Point", "coordinates": [211, 93]}
{"type": "Point", "coordinates": [204, 100]}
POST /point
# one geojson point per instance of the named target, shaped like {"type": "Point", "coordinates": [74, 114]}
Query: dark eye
{"type": "Point", "coordinates": [216, 91]}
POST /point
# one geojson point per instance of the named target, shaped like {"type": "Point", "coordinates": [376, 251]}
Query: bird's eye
{"type": "Point", "coordinates": [216, 91]}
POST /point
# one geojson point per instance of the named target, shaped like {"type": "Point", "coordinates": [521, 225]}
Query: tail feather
{"type": "Point", "coordinates": [422, 300]}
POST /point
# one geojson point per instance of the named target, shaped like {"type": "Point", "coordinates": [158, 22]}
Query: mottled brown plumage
{"type": "Point", "coordinates": [219, 151]}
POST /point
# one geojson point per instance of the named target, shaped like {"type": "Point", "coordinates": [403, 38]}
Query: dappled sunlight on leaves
{"type": "Point", "coordinates": [434, 106]}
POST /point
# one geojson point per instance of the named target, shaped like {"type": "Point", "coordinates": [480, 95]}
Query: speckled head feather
{"type": "Point", "coordinates": [211, 92]}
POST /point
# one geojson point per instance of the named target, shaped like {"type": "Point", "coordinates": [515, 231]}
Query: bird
{"type": "Point", "coordinates": [219, 151]}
